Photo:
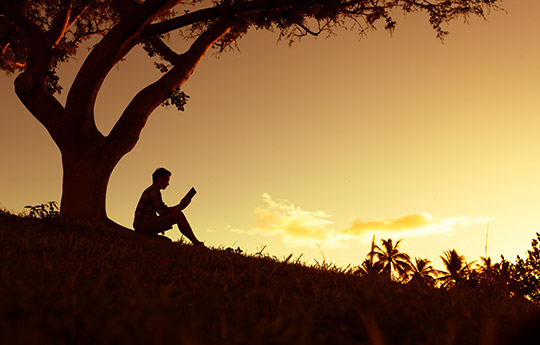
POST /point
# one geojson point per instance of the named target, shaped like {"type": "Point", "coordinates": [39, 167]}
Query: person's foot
{"type": "Point", "coordinates": [199, 244]}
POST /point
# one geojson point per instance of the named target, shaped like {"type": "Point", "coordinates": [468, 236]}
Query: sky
{"type": "Point", "coordinates": [314, 148]}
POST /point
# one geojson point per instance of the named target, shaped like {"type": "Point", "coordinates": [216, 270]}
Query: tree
{"type": "Point", "coordinates": [37, 36]}
{"type": "Point", "coordinates": [392, 260]}
{"type": "Point", "coordinates": [486, 267]}
{"type": "Point", "coordinates": [369, 267]}
{"type": "Point", "coordinates": [524, 274]}
{"type": "Point", "coordinates": [422, 272]}
{"type": "Point", "coordinates": [489, 276]}
{"type": "Point", "coordinates": [457, 269]}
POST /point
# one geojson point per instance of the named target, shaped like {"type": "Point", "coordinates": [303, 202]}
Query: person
{"type": "Point", "coordinates": [152, 216]}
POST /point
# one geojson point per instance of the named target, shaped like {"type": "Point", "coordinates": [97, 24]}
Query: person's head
{"type": "Point", "coordinates": [161, 178]}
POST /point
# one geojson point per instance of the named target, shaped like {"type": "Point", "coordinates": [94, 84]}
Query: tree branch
{"type": "Point", "coordinates": [125, 6]}
{"type": "Point", "coordinates": [309, 31]}
{"type": "Point", "coordinates": [217, 12]}
{"type": "Point", "coordinates": [78, 39]}
{"type": "Point", "coordinates": [40, 59]}
{"type": "Point", "coordinates": [74, 18]}
{"type": "Point", "coordinates": [5, 47]}
{"type": "Point", "coordinates": [163, 49]}
{"type": "Point", "coordinates": [113, 47]}
{"type": "Point", "coordinates": [41, 104]}
{"type": "Point", "coordinates": [60, 23]}
{"type": "Point", "coordinates": [125, 133]}
{"type": "Point", "coordinates": [30, 86]}
{"type": "Point", "coordinates": [231, 9]}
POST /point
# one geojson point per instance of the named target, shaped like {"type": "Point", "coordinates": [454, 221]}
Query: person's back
{"type": "Point", "coordinates": [150, 205]}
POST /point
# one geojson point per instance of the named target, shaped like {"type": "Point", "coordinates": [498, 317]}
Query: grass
{"type": "Point", "coordinates": [82, 285]}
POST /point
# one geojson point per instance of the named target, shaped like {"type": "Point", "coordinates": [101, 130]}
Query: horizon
{"type": "Point", "coordinates": [297, 150]}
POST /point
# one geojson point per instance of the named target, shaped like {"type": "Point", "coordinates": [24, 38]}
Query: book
{"type": "Point", "coordinates": [190, 194]}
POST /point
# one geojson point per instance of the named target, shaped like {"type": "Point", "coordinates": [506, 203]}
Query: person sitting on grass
{"type": "Point", "coordinates": [152, 216]}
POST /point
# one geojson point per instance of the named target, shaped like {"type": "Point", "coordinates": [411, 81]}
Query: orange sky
{"type": "Point", "coordinates": [312, 149]}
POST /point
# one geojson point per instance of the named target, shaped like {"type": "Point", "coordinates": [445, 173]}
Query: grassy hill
{"type": "Point", "coordinates": [81, 285]}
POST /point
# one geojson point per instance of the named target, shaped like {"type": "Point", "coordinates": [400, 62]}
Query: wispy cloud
{"type": "Point", "coordinates": [293, 224]}
{"type": "Point", "coordinates": [416, 225]}
{"type": "Point", "coordinates": [297, 226]}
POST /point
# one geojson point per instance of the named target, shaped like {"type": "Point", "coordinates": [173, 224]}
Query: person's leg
{"type": "Point", "coordinates": [157, 225]}
{"type": "Point", "coordinates": [185, 228]}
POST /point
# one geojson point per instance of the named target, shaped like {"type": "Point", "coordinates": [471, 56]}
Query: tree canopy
{"type": "Point", "coordinates": [392, 260]}
{"type": "Point", "coordinates": [60, 26]}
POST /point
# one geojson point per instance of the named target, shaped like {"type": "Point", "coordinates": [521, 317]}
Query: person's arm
{"type": "Point", "coordinates": [182, 205]}
{"type": "Point", "coordinates": [186, 200]}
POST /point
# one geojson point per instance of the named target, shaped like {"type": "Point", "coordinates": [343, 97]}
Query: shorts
{"type": "Point", "coordinates": [156, 224]}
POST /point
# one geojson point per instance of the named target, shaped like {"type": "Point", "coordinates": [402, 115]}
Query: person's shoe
{"type": "Point", "coordinates": [199, 244]}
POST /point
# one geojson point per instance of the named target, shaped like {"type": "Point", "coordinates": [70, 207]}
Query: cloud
{"type": "Point", "coordinates": [416, 225]}
{"type": "Point", "coordinates": [293, 224]}
{"type": "Point", "coordinates": [407, 222]}
{"type": "Point", "coordinates": [297, 226]}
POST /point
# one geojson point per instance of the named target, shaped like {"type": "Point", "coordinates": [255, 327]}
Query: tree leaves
{"type": "Point", "coordinates": [177, 98]}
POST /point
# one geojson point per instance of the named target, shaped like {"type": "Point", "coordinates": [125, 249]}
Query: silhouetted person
{"type": "Point", "coordinates": [152, 216]}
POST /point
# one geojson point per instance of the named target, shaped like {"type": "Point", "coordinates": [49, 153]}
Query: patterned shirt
{"type": "Point", "coordinates": [149, 205]}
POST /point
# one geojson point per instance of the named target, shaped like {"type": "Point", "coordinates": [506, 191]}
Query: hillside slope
{"type": "Point", "coordinates": [77, 285]}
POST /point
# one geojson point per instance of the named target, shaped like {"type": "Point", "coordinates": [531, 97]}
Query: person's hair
{"type": "Point", "coordinates": [160, 172]}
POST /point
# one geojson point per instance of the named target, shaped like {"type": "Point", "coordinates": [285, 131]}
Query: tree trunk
{"type": "Point", "coordinates": [84, 187]}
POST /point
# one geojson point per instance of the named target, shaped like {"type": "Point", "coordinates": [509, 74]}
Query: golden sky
{"type": "Point", "coordinates": [312, 149]}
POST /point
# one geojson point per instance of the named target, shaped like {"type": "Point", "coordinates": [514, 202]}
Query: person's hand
{"type": "Point", "coordinates": [184, 203]}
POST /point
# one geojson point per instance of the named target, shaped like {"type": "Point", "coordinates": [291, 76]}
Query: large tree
{"type": "Point", "coordinates": [38, 35]}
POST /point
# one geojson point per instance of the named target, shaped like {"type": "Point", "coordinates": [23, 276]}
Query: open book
{"type": "Point", "coordinates": [190, 194]}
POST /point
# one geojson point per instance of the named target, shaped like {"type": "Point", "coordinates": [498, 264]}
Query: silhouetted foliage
{"type": "Point", "coordinates": [66, 24]}
{"type": "Point", "coordinates": [524, 274]}
{"type": "Point", "coordinates": [391, 261]}
{"type": "Point", "coordinates": [422, 272]}
{"type": "Point", "coordinates": [486, 268]}
{"type": "Point", "coordinates": [457, 269]}
{"type": "Point", "coordinates": [177, 98]}
{"type": "Point", "coordinates": [43, 211]}
{"type": "Point", "coordinates": [521, 278]}
{"type": "Point", "coordinates": [368, 268]}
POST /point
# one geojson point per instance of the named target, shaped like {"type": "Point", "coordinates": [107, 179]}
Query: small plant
{"type": "Point", "coordinates": [232, 250]}
{"type": "Point", "coordinates": [48, 210]}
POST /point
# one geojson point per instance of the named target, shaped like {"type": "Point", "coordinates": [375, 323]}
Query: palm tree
{"type": "Point", "coordinates": [422, 272]}
{"type": "Point", "coordinates": [492, 273]}
{"type": "Point", "coordinates": [457, 270]}
{"type": "Point", "coordinates": [486, 267]}
{"type": "Point", "coordinates": [392, 260]}
{"type": "Point", "coordinates": [369, 267]}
